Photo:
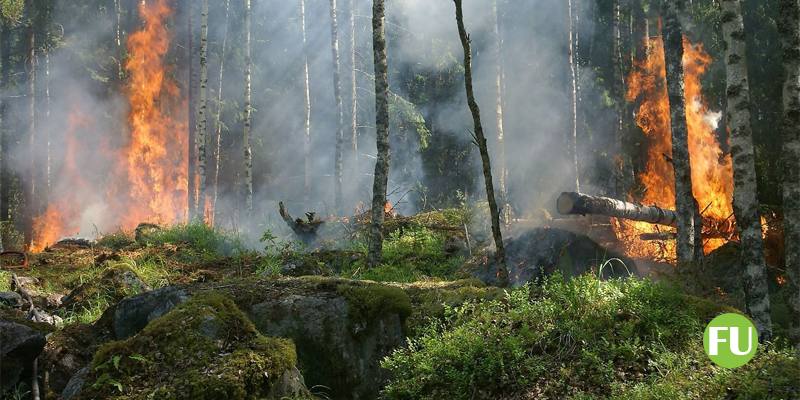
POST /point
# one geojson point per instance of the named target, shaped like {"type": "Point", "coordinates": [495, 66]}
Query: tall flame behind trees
{"type": "Point", "coordinates": [712, 173]}
{"type": "Point", "coordinates": [149, 179]}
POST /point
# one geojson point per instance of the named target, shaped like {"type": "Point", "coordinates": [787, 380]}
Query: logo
{"type": "Point", "coordinates": [730, 340]}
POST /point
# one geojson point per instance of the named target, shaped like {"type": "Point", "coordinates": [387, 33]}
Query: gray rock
{"type": "Point", "coordinates": [19, 346]}
{"type": "Point", "coordinates": [542, 251]}
{"type": "Point", "coordinates": [132, 314]}
{"type": "Point", "coordinates": [11, 299]}
{"type": "Point", "coordinates": [335, 349]}
{"type": "Point", "coordinates": [75, 384]}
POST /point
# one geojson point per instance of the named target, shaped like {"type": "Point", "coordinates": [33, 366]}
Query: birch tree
{"type": "Point", "coordinates": [381, 176]}
{"type": "Point", "coordinates": [248, 110]}
{"type": "Point", "coordinates": [218, 115]}
{"type": "Point", "coordinates": [686, 205]}
{"type": "Point", "coordinates": [192, 103]}
{"type": "Point", "coordinates": [745, 201]}
{"type": "Point", "coordinates": [337, 93]}
{"type": "Point", "coordinates": [202, 113]}
{"type": "Point", "coordinates": [499, 118]}
{"type": "Point", "coordinates": [789, 32]}
{"type": "Point", "coordinates": [573, 138]}
{"type": "Point", "coordinates": [307, 107]}
{"type": "Point", "coordinates": [353, 88]}
{"type": "Point", "coordinates": [480, 140]}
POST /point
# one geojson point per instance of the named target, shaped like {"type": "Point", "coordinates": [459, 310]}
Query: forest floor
{"type": "Point", "coordinates": [290, 321]}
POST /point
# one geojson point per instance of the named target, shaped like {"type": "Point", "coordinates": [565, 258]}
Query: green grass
{"type": "Point", "coordinates": [203, 240]}
{"type": "Point", "coordinates": [5, 281]}
{"type": "Point", "coordinates": [581, 338]}
{"type": "Point", "coordinates": [409, 255]}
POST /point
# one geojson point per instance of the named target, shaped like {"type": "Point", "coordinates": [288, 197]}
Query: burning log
{"type": "Point", "coordinates": [571, 203]}
{"type": "Point", "coordinates": [305, 229]}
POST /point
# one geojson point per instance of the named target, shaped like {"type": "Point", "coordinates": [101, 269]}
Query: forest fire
{"type": "Point", "coordinates": [155, 160]}
{"type": "Point", "coordinates": [149, 179]}
{"type": "Point", "coordinates": [712, 174]}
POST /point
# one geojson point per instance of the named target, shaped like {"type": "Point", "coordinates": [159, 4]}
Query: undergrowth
{"type": "Point", "coordinates": [581, 338]}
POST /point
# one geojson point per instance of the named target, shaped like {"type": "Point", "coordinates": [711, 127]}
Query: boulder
{"type": "Point", "coordinates": [543, 251]}
{"type": "Point", "coordinates": [203, 349]}
{"type": "Point", "coordinates": [132, 314]}
{"type": "Point", "coordinates": [21, 342]}
{"type": "Point", "coordinates": [11, 299]}
{"type": "Point", "coordinates": [342, 329]}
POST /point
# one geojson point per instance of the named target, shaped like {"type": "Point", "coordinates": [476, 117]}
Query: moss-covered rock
{"type": "Point", "coordinates": [116, 283]}
{"type": "Point", "coordinates": [205, 348]}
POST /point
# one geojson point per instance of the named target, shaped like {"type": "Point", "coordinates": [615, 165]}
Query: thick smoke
{"type": "Point", "coordinates": [422, 37]}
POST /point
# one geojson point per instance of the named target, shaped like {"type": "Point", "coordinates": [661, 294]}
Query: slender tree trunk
{"type": "Point", "coordinates": [499, 119]}
{"type": "Point", "coordinates": [686, 205]}
{"type": "Point", "coordinates": [5, 177]}
{"type": "Point", "coordinates": [381, 177]}
{"type": "Point", "coordinates": [3, 73]}
{"type": "Point", "coordinates": [202, 113]}
{"type": "Point", "coordinates": [248, 111]}
{"type": "Point", "coordinates": [31, 203]}
{"type": "Point", "coordinates": [192, 164]}
{"type": "Point", "coordinates": [48, 136]}
{"type": "Point", "coordinates": [307, 108]}
{"type": "Point", "coordinates": [623, 179]}
{"type": "Point", "coordinates": [218, 116]}
{"type": "Point", "coordinates": [745, 192]}
{"type": "Point", "coordinates": [573, 139]}
{"type": "Point", "coordinates": [480, 140]}
{"type": "Point", "coordinates": [118, 38]}
{"type": "Point", "coordinates": [789, 32]}
{"type": "Point", "coordinates": [354, 90]}
{"type": "Point", "coordinates": [337, 93]}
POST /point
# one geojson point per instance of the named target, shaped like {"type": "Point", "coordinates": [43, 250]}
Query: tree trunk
{"type": "Point", "coordinates": [570, 203]}
{"type": "Point", "coordinates": [3, 79]}
{"type": "Point", "coordinates": [31, 203]}
{"type": "Point", "coordinates": [686, 205]}
{"type": "Point", "coordinates": [789, 32]}
{"type": "Point", "coordinates": [623, 171]}
{"type": "Point", "coordinates": [218, 116]}
{"type": "Point", "coordinates": [354, 91]}
{"type": "Point", "coordinates": [480, 140]}
{"type": "Point", "coordinates": [573, 139]}
{"type": "Point", "coordinates": [499, 119]}
{"type": "Point", "coordinates": [337, 93]}
{"type": "Point", "coordinates": [192, 162]}
{"type": "Point", "coordinates": [307, 108]}
{"type": "Point", "coordinates": [118, 38]}
{"type": "Point", "coordinates": [5, 176]}
{"type": "Point", "coordinates": [202, 114]}
{"type": "Point", "coordinates": [381, 177]}
{"type": "Point", "coordinates": [745, 201]}
{"type": "Point", "coordinates": [248, 111]}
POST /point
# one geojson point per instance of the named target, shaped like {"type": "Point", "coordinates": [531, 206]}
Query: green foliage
{"type": "Point", "coordinates": [556, 341]}
{"type": "Point", "coordinates": [5, 281]}
{"type": "Point", "coordinates": [201, 240]}
{"type": "Point", "coordinates": [409, 254]}
{"type": "Point", "coordinates": [12, 10]}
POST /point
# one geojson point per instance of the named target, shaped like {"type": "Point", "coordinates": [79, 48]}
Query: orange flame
{"type": "Point", "coordinates": [149, 180]}
{"type": "Point", "coordinates": [712, 174]}
{"type": "Point", "coordinates": [155, 161]}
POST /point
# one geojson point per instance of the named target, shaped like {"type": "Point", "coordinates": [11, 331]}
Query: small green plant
{"type": "Point", "coordinates": [202, 240]}
{"type": "Point", "coordinates": [116, 241]}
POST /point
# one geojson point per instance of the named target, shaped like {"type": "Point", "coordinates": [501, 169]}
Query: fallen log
{"type": "Point", "coordinates": [571, 203]}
